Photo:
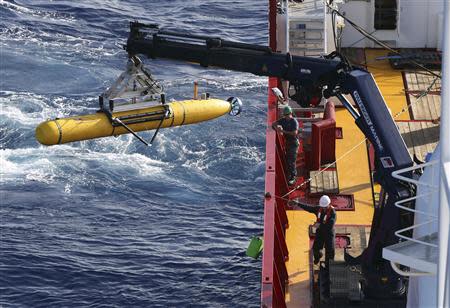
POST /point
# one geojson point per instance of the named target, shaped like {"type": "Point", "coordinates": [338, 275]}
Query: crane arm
{"type": "Point", "coordinates": [302, 72]}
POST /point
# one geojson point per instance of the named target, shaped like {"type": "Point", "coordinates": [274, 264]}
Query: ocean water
{"type": "Point", "coordinates": [110, 222]}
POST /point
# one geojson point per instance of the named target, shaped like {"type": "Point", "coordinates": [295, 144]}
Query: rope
{"type": "Point", "coordinates": [419, 98]}
{"type": "Point", "coordinates": [323, 170]}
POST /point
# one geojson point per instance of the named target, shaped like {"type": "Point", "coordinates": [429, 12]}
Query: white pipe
{"type": "Point", "coordinates": [397, 233]}
{"type": "Point", "coordinates": [396, 174]}
{"type": "Point", "coordinates": [398, 204]}
{"type": "Point", "coordinates": [444, 195]}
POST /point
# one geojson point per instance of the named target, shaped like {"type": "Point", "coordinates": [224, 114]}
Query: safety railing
{"type": "Point", "coordinates": [275, 253]}
{"type": "Point", "coordinates": [274, 272]}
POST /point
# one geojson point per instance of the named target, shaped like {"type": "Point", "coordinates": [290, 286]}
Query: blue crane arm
{"type": "Point", "coordinates": [307, 75]}
{"type": "Point", "coordinates": [374, 119]}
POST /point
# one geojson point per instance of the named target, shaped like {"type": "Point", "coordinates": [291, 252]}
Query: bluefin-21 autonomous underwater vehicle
{"type": "Point", "coordinates": [135, 102]}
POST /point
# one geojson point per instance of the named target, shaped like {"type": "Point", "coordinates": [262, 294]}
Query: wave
{"type": "Point", "coordinates": [68, 47]}
{"type": "Point", "coordinates": [21, 112]}
{"type": "Point", "coordinates": [52, 165]}
{"type": "Point", "coordinates": [22, 10]}
{"type": "Point", "coordinates": [29, 109]}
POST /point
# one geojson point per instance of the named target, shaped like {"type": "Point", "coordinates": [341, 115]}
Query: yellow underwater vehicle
{"type": "Point", "coordinates": [135, 102]}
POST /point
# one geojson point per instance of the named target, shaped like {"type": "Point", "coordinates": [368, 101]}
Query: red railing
{"type": "Point", "coordinates": [275, 253]}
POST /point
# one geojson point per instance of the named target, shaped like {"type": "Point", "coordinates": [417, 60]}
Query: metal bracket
{"type": "Point", "coordinates": [118, 121]}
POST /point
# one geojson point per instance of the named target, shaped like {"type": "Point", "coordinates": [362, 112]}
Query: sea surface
{"type": "Point", "coordinates": [111, 222]}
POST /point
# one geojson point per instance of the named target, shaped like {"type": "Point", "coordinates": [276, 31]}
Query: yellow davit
{"type": "Point", "coordinates": [98, 125]}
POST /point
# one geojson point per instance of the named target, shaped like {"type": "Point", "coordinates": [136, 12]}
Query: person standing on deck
{"type": "Point", "coordinates": [325, 232]}
{"type": "Point", "coordinates": [288, 126]}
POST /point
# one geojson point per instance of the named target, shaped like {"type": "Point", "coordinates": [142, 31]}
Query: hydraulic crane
{"type": "Point", "coordinates": [309, 77]}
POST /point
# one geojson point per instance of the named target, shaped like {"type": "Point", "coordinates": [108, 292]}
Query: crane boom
{"type": "Point", "coordinates": [207, 51]}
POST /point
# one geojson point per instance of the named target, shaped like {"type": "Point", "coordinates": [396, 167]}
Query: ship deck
{"type": "Point", "coordinates": [353, 164]}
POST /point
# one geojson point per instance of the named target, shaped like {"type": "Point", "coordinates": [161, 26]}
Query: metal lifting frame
{"type": "Point", "coordinates": [134, 89]}
{"type": "Point", "coordinates": [134, 85]}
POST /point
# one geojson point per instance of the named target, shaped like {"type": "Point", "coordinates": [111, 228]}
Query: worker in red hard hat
{"type": "Point", "coordinates": [325, 233]}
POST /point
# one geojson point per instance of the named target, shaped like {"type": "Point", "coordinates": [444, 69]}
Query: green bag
{"type": "Point", "coordinates": [255, 247]}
